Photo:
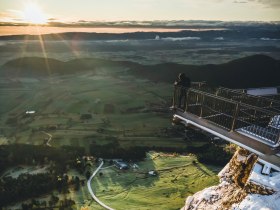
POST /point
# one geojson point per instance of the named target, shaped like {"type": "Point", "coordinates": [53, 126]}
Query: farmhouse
{"type": "Point", "coordinates": [30, 112]}
{"type": "Point", "coordinates": [120, 164]}
{"type": "Point", "coordinates": [88, 161]}
{"type": "Point", "coordinates": [153, 173]}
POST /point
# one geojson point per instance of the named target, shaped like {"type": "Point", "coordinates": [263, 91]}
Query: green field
{"type": "Point", "coordinates": [130, 111]}
{"type": "Point", "coordinates": [178, 177]}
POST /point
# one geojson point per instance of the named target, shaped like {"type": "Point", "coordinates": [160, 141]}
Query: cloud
{"type": "Point", "coordinates": [240, 2]}
{"type": "Point", "coordinates": [174, 39]}
{"type": "Point", "coordinates": [178, 24]}
{"type": "Point", "coordinates": [13, 16]}
{"type": "Point", "coordinates": [269, 3]}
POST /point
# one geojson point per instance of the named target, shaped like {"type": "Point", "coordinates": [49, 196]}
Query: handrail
{"type": "Point", "coordinates": [251, 96]}
{"type": "Point", "coordinates": [228, 113]}
{"type": "Point", "coordinates": [233, 101]}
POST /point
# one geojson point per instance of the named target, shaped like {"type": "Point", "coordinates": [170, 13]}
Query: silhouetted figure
{"type": "Point", "coordinates": [182, 83]}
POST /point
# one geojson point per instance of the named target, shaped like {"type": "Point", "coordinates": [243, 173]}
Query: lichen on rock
{"type": "Point", "coordinates": [238, 170]}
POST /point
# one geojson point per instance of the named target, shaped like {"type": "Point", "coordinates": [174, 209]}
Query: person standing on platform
{"type": "Point", "coordinates": [182, 83]}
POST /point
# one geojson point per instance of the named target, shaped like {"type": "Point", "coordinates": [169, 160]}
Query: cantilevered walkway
{"type": "Point", "coordinates": [251, 122]}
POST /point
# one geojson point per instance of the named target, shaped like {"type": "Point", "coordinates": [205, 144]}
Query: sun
{"type": "Point", "coordinates": [33, 14]}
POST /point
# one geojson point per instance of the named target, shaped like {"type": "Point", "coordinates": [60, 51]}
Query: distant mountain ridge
{"type": "Point", "coordinates": [235, 33]}
{"type": "Point", "coordinates": [251, 71]}
{"type": "Point", "coordinates": [42, 67]}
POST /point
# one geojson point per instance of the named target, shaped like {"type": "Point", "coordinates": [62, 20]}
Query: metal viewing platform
{"type": "Point", "coordinates": [252, 122]}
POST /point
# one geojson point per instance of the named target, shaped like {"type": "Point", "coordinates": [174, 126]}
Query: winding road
{"type": "Point", "coordinates": [90, 189]}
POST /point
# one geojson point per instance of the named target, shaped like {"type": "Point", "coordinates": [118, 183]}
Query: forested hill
{"type": "Point", "coordinates": [42, 67]}
{"type": "Point", "coordinates": [252, 71]}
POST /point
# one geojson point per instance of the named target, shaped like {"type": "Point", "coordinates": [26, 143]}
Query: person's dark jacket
{"type": "Point", "coordinates": [183, 81]}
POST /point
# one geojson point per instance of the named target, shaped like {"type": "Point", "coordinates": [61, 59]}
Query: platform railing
{"type": "Point", "coordinates": [230, 114]}
{"type": "Point", "coordinates": [274, 97]}
{"type": "Point", "coordinates": [241, 96]}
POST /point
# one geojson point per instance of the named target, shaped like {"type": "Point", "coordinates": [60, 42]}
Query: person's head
{"type": "Point", "coordinates": [182, 76]}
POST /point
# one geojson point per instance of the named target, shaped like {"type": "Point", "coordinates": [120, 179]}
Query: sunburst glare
{"type": "Point", "coordinates": [33, 14]}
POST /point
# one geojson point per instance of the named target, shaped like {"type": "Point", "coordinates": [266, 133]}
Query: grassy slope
{"type": "Point", "coordinates": [60, 100]}
{"type": "Point", "coordinates": [132, 189]}
{"type": "Point", "coordinates": [178, 178]}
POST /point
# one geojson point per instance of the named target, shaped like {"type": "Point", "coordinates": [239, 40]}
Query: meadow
{"type": "Point", "coordinates": [99, 108]}
{"type": "Point", "coordinates": [118, 106]}
{"type": "Point", "coordinates": [178, 177]}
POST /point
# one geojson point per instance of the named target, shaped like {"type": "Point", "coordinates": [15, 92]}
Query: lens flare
{"type": "Point", "coordinates": [33, 14]}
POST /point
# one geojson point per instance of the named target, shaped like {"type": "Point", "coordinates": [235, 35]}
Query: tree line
{"type": "Point", "coordinates": [210, 153]}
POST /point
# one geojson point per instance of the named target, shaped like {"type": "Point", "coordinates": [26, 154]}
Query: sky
{"type": "Point", "coordinates": [115, 10]}
{"type": "Point", "coordinates": [78, 13]}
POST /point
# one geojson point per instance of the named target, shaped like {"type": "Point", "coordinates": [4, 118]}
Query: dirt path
{"type": "Point", "coordinates": [49, 139]}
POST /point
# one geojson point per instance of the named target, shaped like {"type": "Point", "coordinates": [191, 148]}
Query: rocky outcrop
{"type": "Point", "coordinates": [235, 185]}
{"type": "Point", "coordinates": [238, 170]}
{"type": "Point", "coordinates": [256, 188]}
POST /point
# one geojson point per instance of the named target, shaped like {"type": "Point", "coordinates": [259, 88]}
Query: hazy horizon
{"type": "Point", "coordinates": [117, 27]}
{"type": "Point", "coordinates": [137, 15]}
